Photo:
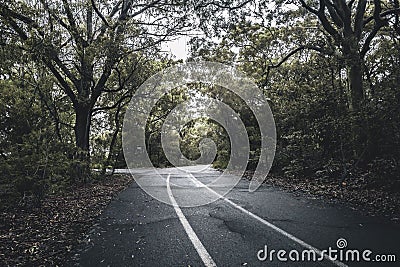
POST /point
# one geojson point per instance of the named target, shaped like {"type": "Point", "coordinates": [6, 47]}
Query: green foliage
{"type": "Point", "coordinates": [33, 160]}
{"type": "Point", "coordinates": [51, 73]}
{"type": "Point", "coordinates": [319, 134]}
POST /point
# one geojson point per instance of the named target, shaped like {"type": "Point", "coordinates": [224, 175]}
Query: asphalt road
{"type": "Point", "coordinates": [138, 230]}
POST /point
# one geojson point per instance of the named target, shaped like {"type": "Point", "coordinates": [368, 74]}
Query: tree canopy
{"type": "Point", "coordinates": [69, 68]}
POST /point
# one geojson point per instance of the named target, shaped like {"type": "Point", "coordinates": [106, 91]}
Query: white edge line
{"type": "Point", "coordinates": [270, 225]}
{"type": "Point", "coordinates": [201, 250]}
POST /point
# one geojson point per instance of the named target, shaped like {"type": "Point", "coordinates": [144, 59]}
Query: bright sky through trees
{"type": "Point", "coordinates": [177, 48]}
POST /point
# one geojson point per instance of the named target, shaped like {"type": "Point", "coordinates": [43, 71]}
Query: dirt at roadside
{"type": "Point", "coordinates": [356, 193]}
{"type": "Point", "coordinates": [45, 235]}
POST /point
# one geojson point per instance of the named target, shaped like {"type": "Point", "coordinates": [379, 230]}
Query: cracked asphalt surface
{"type": "Point", "coordinates": [138, 230]}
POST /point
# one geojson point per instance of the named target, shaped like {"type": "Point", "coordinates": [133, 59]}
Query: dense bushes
{"type": "Point", "coordinates": [320, 134]}
{"type": "Point", "coordinates": [33, 159]}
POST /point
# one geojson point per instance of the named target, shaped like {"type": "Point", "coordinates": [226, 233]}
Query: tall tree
{"type": "Point", "coordinates": [352, 26]}
{"type": "Point", "coordinates": [82, 42]}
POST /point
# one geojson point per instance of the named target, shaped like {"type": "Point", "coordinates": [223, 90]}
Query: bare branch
{"type": "Point", "coordinates": [64, 85]}
{"type": "Point", "coordinates": [358, 21]}
{"type": "Point", "coordinates": [115, 105]}
{"type": "Point", "coordinates": [368, 40]}
{"type": "Point", "coordinates": [291, 53]}
{"type": "Point", "coordinates": [325, 22]}
{"type": "Point", "coordinates": [394, 11]}
{"type": "Point", "coordinates": [379, 23]}
{"type": "Point", "coordinates": [99, 13]}
{"type": "Point", "coordinates": [231, 8]}
{"type": "Point", "coordinates": [152, 4]}
{"type": "Point", "coordinates": [8, 13]}
{"type": "Point", "coordinates": [73, 27]}
{"type": "Point", "coordinates": [307, 7]}
{"type": "Point", "coordinates": [334, 13]}
{"type": "Point", "coordinates": [16, 28]}
{"type": "Point", "coordinates": [345, 13]}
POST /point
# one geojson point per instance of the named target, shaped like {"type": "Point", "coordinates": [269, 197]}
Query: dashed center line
{"type": "Point", "coordinates": [201, 250]}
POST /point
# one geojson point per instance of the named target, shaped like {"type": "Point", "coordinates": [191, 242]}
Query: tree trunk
{"type": "Point", "coordinates": [111, 158]}
{"type": "Point", "coordinates": [82, 129]}
{"type": "Point", "coordinates": [356, 91]}
{"type": "Point", "coordinates": [356, 84]}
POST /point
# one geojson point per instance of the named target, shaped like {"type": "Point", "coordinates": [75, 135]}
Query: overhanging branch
{"type": "Point", "coordinates": [291, 53]}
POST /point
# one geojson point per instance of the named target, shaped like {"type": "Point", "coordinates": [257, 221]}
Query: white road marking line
{"type": "Point", "coordinates": [201, 250]}
{"type": "Point", "coordinates": [270, 225]}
